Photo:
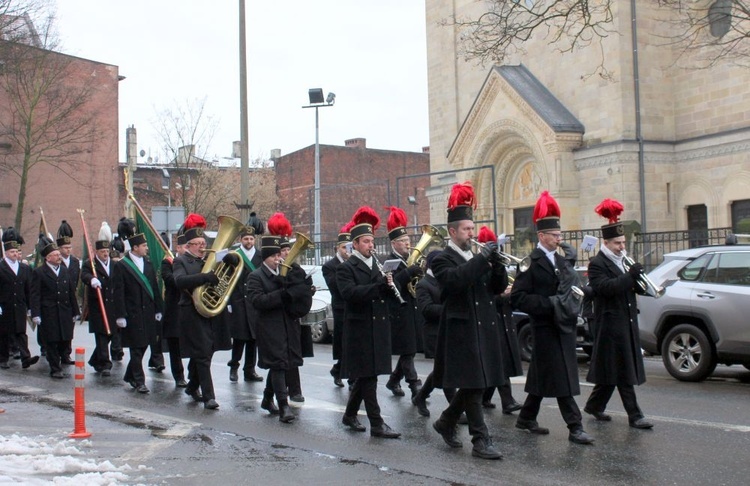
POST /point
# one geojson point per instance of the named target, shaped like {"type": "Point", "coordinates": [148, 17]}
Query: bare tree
{"type": "Point", "coordinates": [714, 30]}
{"type": "Point", "coordinates": [48, 118]}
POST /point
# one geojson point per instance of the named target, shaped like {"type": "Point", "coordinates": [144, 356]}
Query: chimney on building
{"type": "Point", "coordinates": [237, 149]}
{"type": "Point", "coordinates": [131, 147]}
{"type": "Point", "coordinates": [275, 154]}
{"type": "Point", "coordinates": [426, 150]}
{"type": "Point", "coordinates": [360, 143]}
{"type": "Point", "coordinates": [185, 154]}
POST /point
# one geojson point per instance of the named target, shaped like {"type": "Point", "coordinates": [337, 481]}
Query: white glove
{"type": "Point", "coordinates": [28, 313]}
{"type": "Point", "coordinates": [158, 317]}
{"type": "Point", "coordinates": [121, 322]}
{"type": "Point", "coordinates": [1, 311]}
{"type": "Point", "coordinates": [95, 283]}
{"type": "Point", "coordinates": [229, 309]}
{"type": "Point", "coordinates": [37, 320]}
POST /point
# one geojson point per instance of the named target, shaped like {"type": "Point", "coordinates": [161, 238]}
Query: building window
{"type": "Point", "coordinates": [697, 222]}
{"type": "Point", "coordinates": [523, 227]}
{"type": "Point", "coordinates": [741, 216]}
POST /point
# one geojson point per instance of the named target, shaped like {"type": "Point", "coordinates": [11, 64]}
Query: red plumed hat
{"type": "Point", "coordinates": [194, 226]}
{"type": "Point", "coordinates": [365, 222]}
{"type": "Point", "coordinates": [397, 221]}
{"type": "Point", "coordinates": [611, 209]}
{"type": "Point", "coordinates": [486, 235]}
{"type": "Point", "coordinates": [462, 202]}
{"type": "Point", "coordinates": [546, 213]}
{"type": "Point", "coordinates": [278, 225]}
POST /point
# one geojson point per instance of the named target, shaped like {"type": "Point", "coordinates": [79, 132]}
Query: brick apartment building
{"type": "Point", "coordinates": [61, 184]}
{"type": "Point", "coordinates": [351, 176]}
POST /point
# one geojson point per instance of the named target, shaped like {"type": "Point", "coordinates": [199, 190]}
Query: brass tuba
{"type": "Point", "coordinates": [301, 244]}
{"type": "Point", "coordinates": [430, 236]}
{"type": "Point", "coordinates": [210, 300]}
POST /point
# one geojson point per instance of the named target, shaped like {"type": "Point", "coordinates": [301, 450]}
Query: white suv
{"type": "Point", "coordinates": [703, 318]}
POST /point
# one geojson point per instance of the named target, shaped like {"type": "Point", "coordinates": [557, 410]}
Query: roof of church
{"type": "Point", "coordinates": [540, 99]}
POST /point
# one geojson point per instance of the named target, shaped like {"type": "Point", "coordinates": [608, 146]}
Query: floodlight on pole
{"type": "Point", "coordinates": [317, 101]}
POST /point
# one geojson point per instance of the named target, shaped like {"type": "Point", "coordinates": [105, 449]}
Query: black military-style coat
{"type": "Point", "coordinates": [616, 358]}
{"type": "Point", "coordinates": [404, 319]}
{"type": "Point", "coordinates": [428, 301]}
{"type": "Point", "coordinates": [74, 269]}
{"type": "Point", "coordinates": [15, 293]}
{"type": "Point", "coordinates": [509, 337]}
{"type": "Point", "coordinates": [367, 331]}
{"type": "Point", "coordinates": [277, 331]}
{"type": "Point", "coordinates": [242, 325]}
{"type": "Point", "coordinates": [337, 304]}
{"type": "Point", "coordinates": [468, 345]}
{"type": "Point", "coordinates": [200, 336]}
{"type": "Point", "coordinates": [553, 371]}
{"type": "Point", "coordinates": [136, 304]}
{"type": "Point", "coordinates": [170, 323]}
{"type": "Point", "coordinates": [53, 299]}
{"type": "Point", "coordinates": [96, 322]}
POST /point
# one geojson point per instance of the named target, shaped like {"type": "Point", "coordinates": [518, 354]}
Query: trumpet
{"type": "Point", "coordinates": [396, 293]}
{"type": "Point", "coordinates": [646, 284]}
{"type": "Point", "coordinates": [508, 260]}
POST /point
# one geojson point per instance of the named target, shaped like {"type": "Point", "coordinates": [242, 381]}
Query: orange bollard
{"type": "Point", "coordinates": [79, 406]}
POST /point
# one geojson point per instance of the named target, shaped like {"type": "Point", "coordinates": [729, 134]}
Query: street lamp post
{"type": "Point", "coordinates": [317, 101]}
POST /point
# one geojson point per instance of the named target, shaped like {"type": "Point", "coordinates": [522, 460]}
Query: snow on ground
{"type": "Point", "coordinates": [45, 460]}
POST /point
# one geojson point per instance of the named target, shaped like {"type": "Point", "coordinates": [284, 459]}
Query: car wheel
{"type": "Point", "coordinates": [525, 342]}
{"type": "Point", "coordinates": [319, 332]}
{"type": "Point", "coordinates": [687, 353]}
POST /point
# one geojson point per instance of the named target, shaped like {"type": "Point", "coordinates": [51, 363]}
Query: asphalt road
{"type": "Point", "coordinates": [701, 434]}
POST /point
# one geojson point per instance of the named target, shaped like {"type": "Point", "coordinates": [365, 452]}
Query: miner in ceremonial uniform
{"type": "Point", "coordinates": [73, 266]}
{"type": "Point", "coordinates": [171, 321]}
{"type": "Point", "coordinates": [54, 307]}
{"type": "Point", "coordinates": [15, 293]}
{"type": "Point", "coordinates": [337, 302]}
{"type": "Point", "coordinates": [200, 336]}
{"type": "Point", "coordinates": [138, 303]}
{"type": "Point", "coordinates": [404, 317]}
{"type": "Point", "coordinates": [101, 278]}
{"type": "Point", "coordinates": [468, 354]}
{"type": "Point", "coordinates": [553, 371]}
{"type": "Point", "coordinates": [616, 360]}
{"type": "Point", "coordinates": [242, 324]}
{"type": "Point", "coordinates": [366, 291]}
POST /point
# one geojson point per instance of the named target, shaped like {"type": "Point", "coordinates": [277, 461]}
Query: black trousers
{"type": "Point", "coordinates": [55, 349]}
{"type": "Point", "coordinates": [175, 358]}
{"type": "Point", "coordinates": [468, 400]}
{"type": "Point", "coordinates": [276, 385]}
{"type": "Point", "coordinates": [429, 386]}
{"type": "Point", "coordinates": [199, 375]}
{"type": "Point", "coordinates": [250, 348]}
{"type": "Point", "coordinates": [405, 369]}
{"type": "Point", "coordinates": [134, 371]}
{"type": "Point", "coordinates": [601, 394]}
{"type": "Point", "coordinates": [115, 346]}
{"type": "Point", "coordinates": [506, 395]}
{"type": "Point", "coordinates": [568, 409]}
{"type": "Point", "coordinates": [365, 389]}
{"type": "Point", "coordinates": [293, 381]}
{"type": "Point", "coordinates": [156, 359]}
{"type": "Point", "coordinates": [20, 340]}
{"type": "Point", "coordinates": [99, 359]}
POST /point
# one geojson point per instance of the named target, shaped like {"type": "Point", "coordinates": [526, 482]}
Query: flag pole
{"type": "Point", "coordinates": [140, 210]}
{"type": "Point", "coordinates": [99, 297]}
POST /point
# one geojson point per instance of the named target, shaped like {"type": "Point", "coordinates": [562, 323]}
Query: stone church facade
{"type": "Point", "coordinates": [545, 120]}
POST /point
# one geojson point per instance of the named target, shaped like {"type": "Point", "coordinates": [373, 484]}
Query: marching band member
{"type": "Point", "coordinates": [553, 371]}
{"type": "Point", "coordinates": [171, 322]}
{"type": "Point", "coordinates": [616, 360]}
{"type": "Point", "coordinates": [73, 266]}
{"type": "Point", "coordinates": [468, 354]}
{"type": "Point", "coordinates": [367, 332]}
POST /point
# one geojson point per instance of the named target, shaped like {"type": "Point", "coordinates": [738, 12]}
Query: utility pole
{"type": "Point", "coordinates": [244, 152]}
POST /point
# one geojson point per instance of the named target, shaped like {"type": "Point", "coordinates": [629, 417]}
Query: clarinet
{"type": "Point", "coordinates": [392, 284]}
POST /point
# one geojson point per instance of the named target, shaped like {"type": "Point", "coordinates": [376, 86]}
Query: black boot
{"type": "Point", "coordinates": [267, 403]}
{"type": "Point", "coordinates": [395, 387]}
{"type": "Point", "coordinates": [420, 401]}
{"type": "Point", "coordinates": [285, 412]}
{"type": "Point", "coordinates": [233, 376]}
{"type": "Point", "coordinates": [415, 386]}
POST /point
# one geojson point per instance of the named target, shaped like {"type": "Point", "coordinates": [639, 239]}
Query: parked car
{"type": "Point", "coordinates": [703, 317]}
{"type": "Point", "coordinates": [320, 317]}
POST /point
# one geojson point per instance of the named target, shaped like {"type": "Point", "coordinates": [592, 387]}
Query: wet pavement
{"type": "Point", "coordinates": [702, 432]}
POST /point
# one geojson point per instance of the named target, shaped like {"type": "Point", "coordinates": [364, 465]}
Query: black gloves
{"type": "Point", "coordinates": [570, 252]}
{"type": "Point", "coordinates": [489, 248]}
{"type": "Point", "coordinates": [231, 259]}
{"type": "Point", "coordinates": [635, 270]}
{"type": "Point", "coordinates": [495, 259]}
{"type": "Point", "coordinates": [211, 278]}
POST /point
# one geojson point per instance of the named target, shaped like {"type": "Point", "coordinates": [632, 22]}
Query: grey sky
{"type": "Point", "coordinates": [370, 53]}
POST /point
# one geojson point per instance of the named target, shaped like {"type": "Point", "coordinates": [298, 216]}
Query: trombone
{"type": "Point", "coordinates": [646, 284]}
{"type": "Point", "coordinates": [508, 260]}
